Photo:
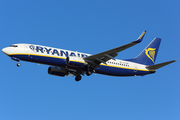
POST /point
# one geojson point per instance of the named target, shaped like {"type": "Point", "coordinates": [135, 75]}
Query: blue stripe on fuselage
{"type": "Point", "coordinates": [117, 71]}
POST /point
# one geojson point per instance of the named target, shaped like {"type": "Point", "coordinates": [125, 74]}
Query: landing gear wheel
{"type": "Point", "coordinates": [88, 73]}
{"type": "Point", "coordinates": [78, 78]}
{"type": "Point", "coordinates": [18, 64]}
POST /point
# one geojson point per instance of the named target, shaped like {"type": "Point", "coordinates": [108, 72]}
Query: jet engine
{"type": "Point", "coordinates": [75, 61]}
{"type": "Point", "coordinates": [57, 71]}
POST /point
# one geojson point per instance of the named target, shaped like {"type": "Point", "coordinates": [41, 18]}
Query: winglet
{"type": "Point", "coordinates": [140, 38]}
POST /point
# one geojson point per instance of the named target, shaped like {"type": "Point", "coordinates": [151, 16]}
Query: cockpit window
{"type": "Point", "coordinates": [13, 46]}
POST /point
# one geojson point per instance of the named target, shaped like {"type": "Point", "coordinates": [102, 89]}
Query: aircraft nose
{"type": "Point", "coordinates": [5, 50]}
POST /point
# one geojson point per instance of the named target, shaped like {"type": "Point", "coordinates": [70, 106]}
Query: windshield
{"type": "Point", "coordinates": [13, 46]}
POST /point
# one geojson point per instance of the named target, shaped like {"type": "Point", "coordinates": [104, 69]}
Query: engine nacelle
{"type": "Point", "coordinates": [75, 61]}
{"type": "Point", "coordinates": [57, 71]}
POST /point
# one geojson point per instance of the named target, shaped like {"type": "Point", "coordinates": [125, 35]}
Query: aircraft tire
{"type": "Point", "coordinates": [18, 64]}
{"type": "Point", "coordinates": [78, 78]}
{"type": "Point", "coordinates": [88, 73]}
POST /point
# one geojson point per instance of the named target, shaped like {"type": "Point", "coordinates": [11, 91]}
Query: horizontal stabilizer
{"type": "Point", "coordinates": [157, 66]}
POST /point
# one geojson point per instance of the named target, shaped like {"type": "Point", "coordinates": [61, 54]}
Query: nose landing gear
{"type": "Point", "coordinates": [16, 59]}
{"type": "Point", "coordinates": [18, 64]}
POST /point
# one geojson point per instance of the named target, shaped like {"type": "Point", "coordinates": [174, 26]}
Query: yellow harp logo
{"type": "Point", "coordinates": [150, 52]}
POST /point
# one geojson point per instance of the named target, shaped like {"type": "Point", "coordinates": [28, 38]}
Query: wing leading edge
{"type": "Point", "coordinates": [102, 57]}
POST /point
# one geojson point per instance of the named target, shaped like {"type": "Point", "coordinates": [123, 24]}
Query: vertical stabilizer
{"type": "Point", "coordinates": [149, 54]}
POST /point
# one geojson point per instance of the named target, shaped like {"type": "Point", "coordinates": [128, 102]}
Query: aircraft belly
{"type": "Point", "coordinates": [114, 71]}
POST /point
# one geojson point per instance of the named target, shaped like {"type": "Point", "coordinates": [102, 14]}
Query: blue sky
{"type": "Point", "coordinates": [29, 93]}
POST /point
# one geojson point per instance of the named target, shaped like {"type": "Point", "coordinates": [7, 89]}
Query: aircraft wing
{"type": "Point", "coordinates": [102, 57]}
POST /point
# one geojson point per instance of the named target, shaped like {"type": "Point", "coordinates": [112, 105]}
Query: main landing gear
{"type": "Point", "coordinates": [78, 78]}
{"type": "Point", "coordinates": [16, 59]}
{"type": "Point", "coordinates": [89, 71]}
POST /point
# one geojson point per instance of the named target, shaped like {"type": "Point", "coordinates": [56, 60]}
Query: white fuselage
{"type": "Point", "coordinates": [37, 51]}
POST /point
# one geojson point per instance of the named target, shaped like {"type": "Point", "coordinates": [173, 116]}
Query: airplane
{"type": "Point", "coordinates": [72, 63]}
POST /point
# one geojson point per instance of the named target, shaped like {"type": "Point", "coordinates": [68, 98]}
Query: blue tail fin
{"type": "Point", "coordinates": [148, 55]}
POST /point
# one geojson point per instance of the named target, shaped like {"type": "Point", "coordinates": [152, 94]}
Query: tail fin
{"type": "Point", "coordinates": [148, 55]}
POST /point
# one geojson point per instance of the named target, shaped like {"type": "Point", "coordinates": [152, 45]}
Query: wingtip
{"type": "Point", "coordinates": [172, 61]}
{"type": "Point", "coordinates": [140, 38]}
